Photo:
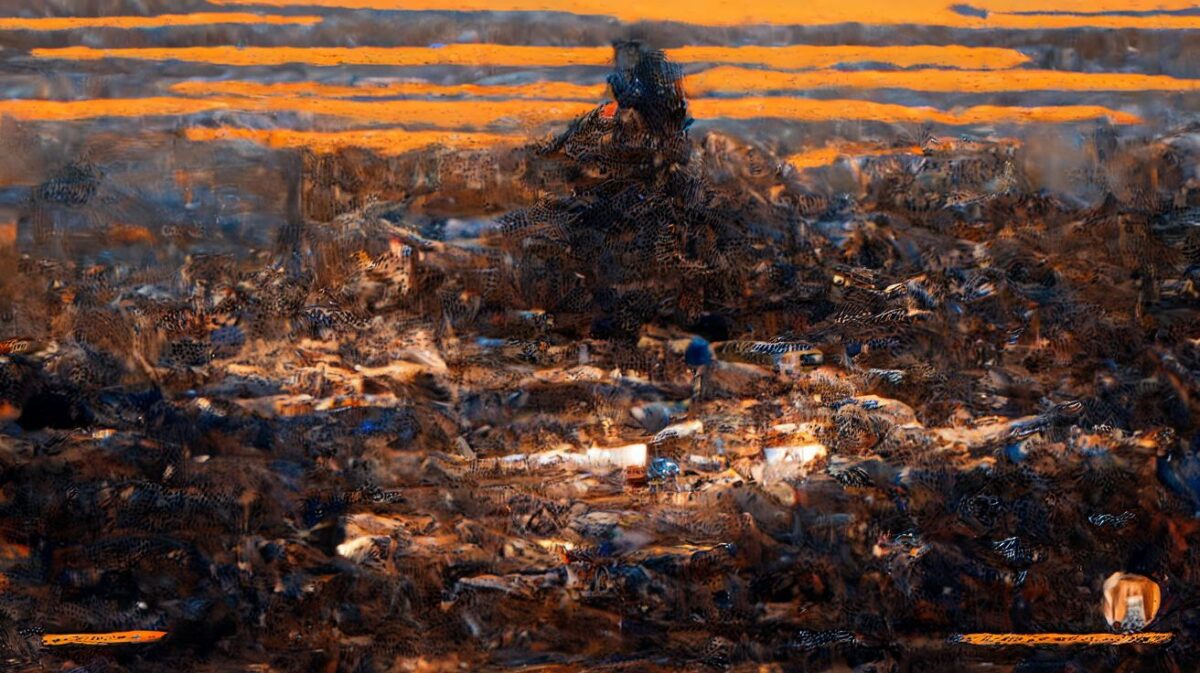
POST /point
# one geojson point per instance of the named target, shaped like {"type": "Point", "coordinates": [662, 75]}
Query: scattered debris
{"type": "Point", "coordinates": [681, 408]}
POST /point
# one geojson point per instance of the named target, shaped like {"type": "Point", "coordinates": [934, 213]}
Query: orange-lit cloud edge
{"type": "Point", "coordinates": [159, 21]}
{"type": "Point", "coordinates": [543, 90]}
{"type": "Point", "coordinates": [996, 13]}
{"type": "Point", "coordinates": [479, 54]}
{"type": "Point", "coordinates": [743, 80]}
{"type": "Point", "coordinates": [817, 157]}
{"type": "Point", "coordinates": [462, 115]}
{"type": "Point", "coordinates": [725, 79]}
{"type": "Point", "coordinates": [382, 141]}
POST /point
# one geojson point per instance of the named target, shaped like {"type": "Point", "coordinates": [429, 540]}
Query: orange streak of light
{"type": "Point", "coordinates": [115, 638]}
{"type": "Point", "coordinates": [468, 114]}
{"type": "Point", "coordinates": [813, 56]}
{"type": "Point", "coordinates": [160, 21]}
{"type": "Point", "coordinates": [743, 80]}
{"type": "Point", "coordinates": [477, 54]}
{"type": "Point", "coordinates": [824, 156]}
{"type": "Point", "coordinates": [533, 90]}
{"type": "Point", "coordinates": [457, 54]}
{"type": "Point", "coordinates": [383, 141]}
{"type": "Point", "coordinates": [439, 113]}
{"type": "Point", "coordinates": [1002, 639]}
{"type": "Point", "coordinates": [727, 79]}
{"type": "Point", "coordinates": [805, 109]}
{"type": "Point", "coordinates": [28, 109]}
{"type": "Point", "coordinates": [1043, 21]}
{"type": "Point", "coordinates": [1000, 13]}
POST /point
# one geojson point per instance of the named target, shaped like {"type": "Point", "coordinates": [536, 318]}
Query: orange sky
{"type": "Point", "coordinates": [383, 141]}
{"type": "Point", "coordinates": [548, 90]}
{"type": "Point", "coordinates": [796, 56]}
{"type": "Point", "coordinates": [1000, 13]}
{"type": "Point", "coordinates": [450, 114]}
{"type": "Point", "coordinates": [743, 80]}
{"type": "Point", "coordinates": [160, 21]}
{"type": "Point", "coordinates": [751, 81]}
{"type": "Point", "coordinates": [726, 79]}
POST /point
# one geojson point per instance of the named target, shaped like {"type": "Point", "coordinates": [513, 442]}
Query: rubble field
{"type": "Point", "coordinates": [678, 408]}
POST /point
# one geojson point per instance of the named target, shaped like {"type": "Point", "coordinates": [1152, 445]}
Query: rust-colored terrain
{"type": "Point", "coordinates": [431, 335]}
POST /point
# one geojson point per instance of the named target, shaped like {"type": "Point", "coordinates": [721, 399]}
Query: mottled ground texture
{"type": "Point", "coordinates": [465, 358]}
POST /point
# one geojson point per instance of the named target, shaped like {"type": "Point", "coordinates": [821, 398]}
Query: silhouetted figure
{"type": "Point", "coordinates": [644, 80]}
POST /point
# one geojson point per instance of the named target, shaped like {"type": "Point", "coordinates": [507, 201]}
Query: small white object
{"type": "Point", "coordinates": [685, 429]}
{"type": "Point", "coordinates": [622, 456]}
{"type": "Point", "coordinates": [801, 453]}
{"type": "Point", "coordinates": [1135, 613]}
{"type": "Point", "coordinates": [704, 462]}
{"type": "Point", "coordinates": [365, 548]}
{"type": "Point", "coordinates": [789, 461]}
{"type": "Point", "coordinates": [539, 459]}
